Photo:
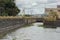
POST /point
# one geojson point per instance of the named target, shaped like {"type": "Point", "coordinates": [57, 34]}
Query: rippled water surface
{"type": "Point", "coordinates": [34, 33]}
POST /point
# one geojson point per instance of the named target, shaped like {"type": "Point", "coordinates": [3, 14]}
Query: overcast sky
{"type": "Point", "coordinates": [36, 6]}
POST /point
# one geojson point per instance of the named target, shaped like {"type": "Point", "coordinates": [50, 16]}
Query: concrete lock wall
{"type": "Point", "coordinates": [12, 23]}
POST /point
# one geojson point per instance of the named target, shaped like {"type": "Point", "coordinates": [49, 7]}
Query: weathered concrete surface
{"type": "Point", "coordinates": [8, 24]}
{"type": "Point", "coordinates": [58, 23]}
{"type": "Point", "coordinates": [52, 24]}
{"type": "Point", "coordinates": [12, 23]}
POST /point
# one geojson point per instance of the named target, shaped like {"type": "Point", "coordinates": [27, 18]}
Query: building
{"type": "Point", "coordinates": [57, 10]}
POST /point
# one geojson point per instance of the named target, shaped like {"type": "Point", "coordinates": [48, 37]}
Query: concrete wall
{"type": "Point", "coordinates": [58, 23]}
{"type": "Point", "coordinates": [52, 24]}
{"type": "Point", "coordinates": [12, 23]}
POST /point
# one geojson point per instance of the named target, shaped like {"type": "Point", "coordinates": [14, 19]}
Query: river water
{"type": "Point", "coordinates": [34, 32]}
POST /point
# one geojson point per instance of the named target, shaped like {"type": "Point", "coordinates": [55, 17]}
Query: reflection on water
{"type": "Point", "coordinates": [34, 33]}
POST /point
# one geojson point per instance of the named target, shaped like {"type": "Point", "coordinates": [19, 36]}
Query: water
{"type": "Point", "coordinates": [34, 33]}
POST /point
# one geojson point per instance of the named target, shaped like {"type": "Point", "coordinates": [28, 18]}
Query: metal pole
{"type": "Point", "coordinates": [24, 11]}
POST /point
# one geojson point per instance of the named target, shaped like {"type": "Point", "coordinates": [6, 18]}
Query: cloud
{"type": "Point", "coordinates": [37, 5]}
{"type": "Point", "coordinates": [30, 1]}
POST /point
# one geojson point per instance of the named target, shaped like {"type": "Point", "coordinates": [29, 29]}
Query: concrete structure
{"type": "Point", "coordinates": [57, 10]}
{"type": "Point", "coordinates": [9, 23]}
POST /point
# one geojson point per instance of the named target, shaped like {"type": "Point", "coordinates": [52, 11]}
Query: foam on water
{"type": "Point", "coordinates": [34, 33]}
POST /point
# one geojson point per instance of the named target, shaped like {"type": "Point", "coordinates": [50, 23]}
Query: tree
{"type": "Point", "coordinates": [8, 8]}
{"type": "Point", "coordinates": [52, 16]}
{"type": "Point", "coordinates": [53, 13]}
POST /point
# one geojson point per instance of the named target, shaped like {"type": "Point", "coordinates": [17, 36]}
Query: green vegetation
{"type": "Point", "coordinates": [52, 16]}
{"type": "Point", "coordinates": [49, 26]}
{"type": "Point", "coordinates": [26, 25]}
{"type": "Point", "coordinates": [8, 8]}
{"type": "Point", "coordinates": [14, 39]}
{"type": "Point", "coordinates": [2, 34]}
{"type": "Point", "coordinates": [53, 13]}
{"type": "Point", "coordinates": [40, 25]}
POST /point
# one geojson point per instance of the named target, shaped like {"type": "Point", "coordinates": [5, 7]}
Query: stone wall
{"type": "Point", "coordinates": [8, 24]}
{"type": "Point", "coordinates": [58, 23]}
{"type": "Point", "coordinates": [52, 24]}
{"type": "Point", "coordinates": [12, 23]}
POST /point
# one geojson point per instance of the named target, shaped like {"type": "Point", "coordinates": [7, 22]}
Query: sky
{"type": "Point", "coordinates": [35, 6]}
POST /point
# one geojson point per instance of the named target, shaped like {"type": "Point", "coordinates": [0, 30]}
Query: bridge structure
{"type": "Point", "coordinates": [27, 18]}
{"type": "Point", "coordinates": [35, 19]}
